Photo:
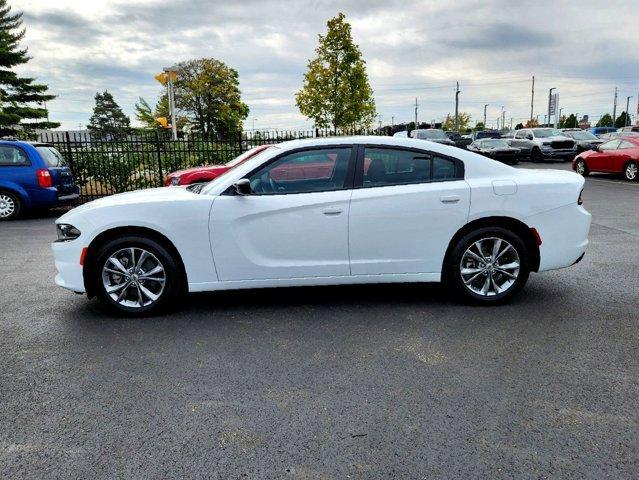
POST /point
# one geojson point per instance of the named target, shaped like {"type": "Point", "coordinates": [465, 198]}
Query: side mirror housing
{"type": "Point", "coordinates": [243, 187]}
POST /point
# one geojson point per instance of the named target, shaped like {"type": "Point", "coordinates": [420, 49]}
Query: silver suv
{"type": "Point", "coordinates": [544, 143]}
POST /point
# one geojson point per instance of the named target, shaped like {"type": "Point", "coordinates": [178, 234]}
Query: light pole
{"type": "Point", "coordinates": [560, 110]}
{"type": "Point", "coordinates": [626, 123]}
{"type": "Point", "coordinates": [485, 115]}
{"type": "Point", "coordinates": [457, 108]}
{"type": "Point", "coordinates": [503, 118]}
{"type": "Point", "coordinates": [171, 74]}
{"type": "Point", "coordinates": [577, 120]}
{"type": "Point", "coordinates": [549, 102]}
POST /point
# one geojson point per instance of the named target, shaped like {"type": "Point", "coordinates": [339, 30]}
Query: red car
{"type": "Point", "coordinates": [190, 176]}
{"type": "Point", "coordinates": [620, 155]}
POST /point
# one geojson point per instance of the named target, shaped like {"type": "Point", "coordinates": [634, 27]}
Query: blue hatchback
{"type": "Point", "coordinates": [32, 175]}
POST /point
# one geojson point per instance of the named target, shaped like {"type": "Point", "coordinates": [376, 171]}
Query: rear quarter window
{"type": "Point", "coordinates": [13, 157]}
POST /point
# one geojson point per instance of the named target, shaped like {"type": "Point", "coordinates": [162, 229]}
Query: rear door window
{"type": "Point", "coordinates": [51, 156]}
{"type": "Point", "coordinates": [13, 157]}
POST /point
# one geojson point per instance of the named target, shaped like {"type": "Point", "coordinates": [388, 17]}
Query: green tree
{"type": "Point", "coordinates": [336, 92]}
{"type": "Point", "coordinates": [208, 92]}
{"type": "Point", "coordinates": [464, 122]}
{"type": "Point", "coordinates": [148, 116]}
{"type": "Point", "coordinates": [532, 123]}
{"type": "Point", "coordinates": [605, 121]}
{"type": "Point", "coordinates": [570, 121]}
{"type": "Point", "coordinates": [21, 100]}
{"type": "Point", "coordinates": [145, 114]}
{"type": "Point", "coordinates": [519, 126]}
{"type": "Point", "coordinates": [622, 120]}
{"type": "Point", "coordinates": [480, 126]}
{"type": "Point", "coordinates": [108, 120]}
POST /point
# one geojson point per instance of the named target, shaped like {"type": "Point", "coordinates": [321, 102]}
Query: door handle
{"type": "Point", "coordinates": [331, 212]}
{"type": "Point", "coordinates": [449, 199]}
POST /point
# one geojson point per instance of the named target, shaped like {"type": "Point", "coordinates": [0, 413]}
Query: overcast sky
{"type": "Point", "coordinates": [412, 49]}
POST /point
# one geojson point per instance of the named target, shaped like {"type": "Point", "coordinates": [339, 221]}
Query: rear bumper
{"type": "Point", "coordinates": [564, 235]}
{"type": "Point", "coordinates": [50, 197]}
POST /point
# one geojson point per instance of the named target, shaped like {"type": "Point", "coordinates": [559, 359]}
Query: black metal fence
{"type": "Point", "coordinates": [121, 163]}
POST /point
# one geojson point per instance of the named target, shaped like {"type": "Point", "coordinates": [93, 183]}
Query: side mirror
{"type": "Point", "coordinates": [242, 186]}
{"type": "Point", "coordinates": [595, 148]}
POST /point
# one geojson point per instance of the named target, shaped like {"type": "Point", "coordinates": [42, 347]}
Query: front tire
{"type": "Point", "coordinates": [10, 206]}
{"type": "Point", "coordinates": [489, 265]}
{"type": "Point", "coordinates": [136, 276]}
{"type": "Point", "coordinates": [536, 156]}
{"type": "Point", "coordinates": [581, 168]}
{"type": "Point", "coordinates": [631, 172]}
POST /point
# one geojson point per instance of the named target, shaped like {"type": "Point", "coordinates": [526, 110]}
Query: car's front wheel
{"type": "Point", "coordinates": [10, 206]}
{"type": "Point", "coordinates": [536, 156]}
{"type": "Point", "coordinates": [137, 276]}
{"type": "Point", "coordinates": [581, 168]}
{"type": "Point", "coordinates": [489, 265]}
{"type": "Point", "coordinates": [631, 172]}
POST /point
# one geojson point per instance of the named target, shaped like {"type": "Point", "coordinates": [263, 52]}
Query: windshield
{"type": "Point", "coordinates": [494, 144]}
{"type": "Point", "coordinates": [486, 134]}
{"type": "Point", "coordinates": [433, 134]}
{"type": "Point", "coordinates": [547, 132]}
{"type": "Point", "coordinates": [248, 154]}
{"type": "Point", "coordinates": [217, 180]}
{"type": "Point", "coordinates": [581, 135]}
{"type": "Point", "coordinates": [51, 156]}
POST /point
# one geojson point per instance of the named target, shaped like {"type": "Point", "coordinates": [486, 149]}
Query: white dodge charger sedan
{"type": "Point", "coordinates": [326, 212]}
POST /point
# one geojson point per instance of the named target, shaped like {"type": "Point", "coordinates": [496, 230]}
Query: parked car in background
{"type": "Point", "coordinates": [461, 141]}
{"type": "Point", "coordinates": [402, 134]}
{"type": "Point", "coordinates": [432, 134]}
{"type": "Point", "coordinates": [619, 155]}
{"type": "Point", "coordinates": [544, 144]}
{"type": "Point", "coordinates": [616, 134]}
{"type": "Point", "coordinates": [33, 175]}
{"type": "Point", "coordinates": [497, 149]}
{"type": "Point", "coordinates": [629, 128]}
{"type": "Point", "coordinates": [598, 131]}
{"type": "Point", "coordinates": [585, 139]}
{"type": "Point", "coordinates": [479, 134]}
{"type": "Point", "coordinates": [420, 212]}
{"type": "Point", "coordinates": [205, 174]}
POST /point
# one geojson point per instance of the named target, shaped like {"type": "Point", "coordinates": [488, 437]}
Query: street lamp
{"type": "Point", "coordinates": [485, 115]}
{"type": "Point", "coordinates": [626, 123]}
{"type": "Point", "coordinates": [549, 102]}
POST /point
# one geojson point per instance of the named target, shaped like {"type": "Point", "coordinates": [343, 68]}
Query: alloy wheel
{"type": "Point", "coordinates": [133, 277]}
{"type": "Point", "coordinates": [489, 267]}
{"type": "Point", "coordinates": [581, 167]}
{"type": "Point", "coordinates": [7, 206]}
{"type": "Point", "coordinates": [631, 171]}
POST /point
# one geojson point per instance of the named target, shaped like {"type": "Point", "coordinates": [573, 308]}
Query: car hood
{"type": "Point", "coordinates": [555, 138]}
{"type": "Point", "coordinates": [151, 195]}
{"type": "Point", "coordinates": [207, 169]}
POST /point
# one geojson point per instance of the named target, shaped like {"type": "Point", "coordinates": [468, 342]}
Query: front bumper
{"type": "Point", "coordinates": [67, 263]}
{"type": "Point", "coordinates": [559, 153]}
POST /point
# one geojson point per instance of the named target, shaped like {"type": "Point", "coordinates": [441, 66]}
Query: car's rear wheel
{"type": "Point", "coordinates": [137, 276]}
{"type": "Point", "coordinates": [581, 168]}
{"type": "Point", "coordinates": [631, 172]}
{"type": "Point", "coordinates": [536, 156]}
{"type": "Point", "coordinates": [489, 265]}
{"type": "Point", "coordinates": [10, 206]}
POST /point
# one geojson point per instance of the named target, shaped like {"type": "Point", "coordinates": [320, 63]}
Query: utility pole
{"type": "Point", "coordinates": [503, 118]}
{"type": "Point", "coordinates": [549, 102]}
{"type": "Point", "coordinates": [627, 122]}
{"type": "Point", "coordinates": [532, 98]}
{"type": "Point", "coordinates": [416, 113]}
{"type": "Point", "coordinates": [485, 115]}
{"type": "Point", "coordinates": [614, 108]}
{"type": "Point", "coordinates": [457, 108]}
{"type": "Point", "coordinates": [171, 72]}
{"type": "Point", "coordinates": [393, 122]}
{"type": "Point", "coordinates": [511, 123]}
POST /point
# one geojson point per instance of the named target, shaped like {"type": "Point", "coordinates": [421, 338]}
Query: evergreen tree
{"type": "Point", "coordinates": [336, 92]}
{"type": "Point", "coordinates": [622, 120]}
{"type": "Point", "coordinates": [21, 99]}
{"type": "Point", "coordinates": [605, 121]}
{"type": "Point", "coordinates": [108, 121]}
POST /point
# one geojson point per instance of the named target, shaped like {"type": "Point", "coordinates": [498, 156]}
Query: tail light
{"type": "Point", "coordinates": [44, 178]}
{"type": "Point", "coordinates": [580, 200]}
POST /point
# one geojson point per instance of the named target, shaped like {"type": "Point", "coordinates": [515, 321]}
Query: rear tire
{"type": "Point", "coordinates": [631, 171]}
{"type": "Point", "coordinates": [581, 168]}
{"type": "Point", "coordinates": [488, 266]}
{"type": "Point", "coordinates": [10, 205]}
{"type": "Point", "coordinates": [137, 276]}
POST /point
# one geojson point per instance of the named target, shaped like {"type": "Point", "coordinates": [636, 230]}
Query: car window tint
{"type": "Point", "coordinates": [12, 156]}
{"type": "Point", "coordinates": [623, 145]}
{"type": "Point", "coordinates": [306, 171]}
{"type": "Point", "coordinates": [611, 145]}
{"type": "Point", "coordinates": [521, 134]}
{"type": "Point", "coordinates": [51, 156]}
{"type": "Point", "coordinates": [386, 166]}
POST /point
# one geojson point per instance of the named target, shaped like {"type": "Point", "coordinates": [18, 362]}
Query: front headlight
{"type": "Point", "coordinates": [66, 232]}
{"type": "Point", "coordinates": [175, 181]}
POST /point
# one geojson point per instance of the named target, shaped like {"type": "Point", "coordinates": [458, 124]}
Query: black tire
{"type": "Point", "coordinates": [631, 171]}
{"type": "Point", "coordinates": [578, 164]}
{"type": "Point", "coordinates": [536, 156]}
{"type": "Point", "coordinates": [453, 271]}
{"type": "Point", "coordinates": [10, 205]}
{"type": "Point", "coordinates": [168, 296]}
{"type": "Point", "coordinates": [514, 161]}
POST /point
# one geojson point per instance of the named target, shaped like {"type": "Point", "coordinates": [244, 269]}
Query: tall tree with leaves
{"type": "Point", "coordinates": [208, 91]}
{"type": "Point", "coordinates": [21, 99]}
{"type": "Point", "coordinates": [108, 121]}
{"type": "Point", "coordinates": [622, 120]}
{"type": "Point", "coordinates": [464, 122]}
{"type": "Point", "coordinates": [148, 116]}
{"type": "Point", "coordinates": [605, 121]}
{"type": "Point", "coordinates": [336, 92]}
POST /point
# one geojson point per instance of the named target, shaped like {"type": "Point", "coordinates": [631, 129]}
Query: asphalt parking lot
{"type": "Point", "coordinates": [339, 382]}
